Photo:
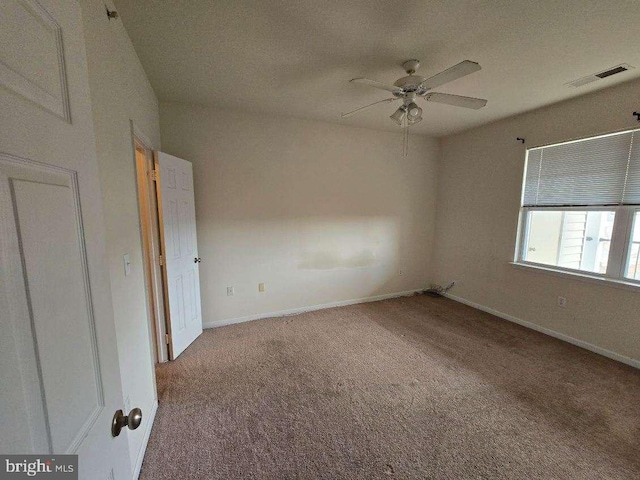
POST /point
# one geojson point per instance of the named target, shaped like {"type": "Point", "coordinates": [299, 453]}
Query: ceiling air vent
{"type": "Point", "coordinates": [600, 75]}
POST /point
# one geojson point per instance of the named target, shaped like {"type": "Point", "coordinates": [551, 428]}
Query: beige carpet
{"type": "Point", "coordinates": [404, 388]}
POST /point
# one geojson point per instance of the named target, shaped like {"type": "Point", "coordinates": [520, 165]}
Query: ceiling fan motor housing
{"type": "Point", "coordinates": [412, 84]}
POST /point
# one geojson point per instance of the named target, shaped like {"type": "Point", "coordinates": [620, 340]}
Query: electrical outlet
{"type": "Point", "coordinates": [562, 302]}
{"type": "Point", "coordinates": [261, 287]}
{"type": "Point", "coordinates": [399, 272]}
{"type": "Point", "coordinates": [231, 291]}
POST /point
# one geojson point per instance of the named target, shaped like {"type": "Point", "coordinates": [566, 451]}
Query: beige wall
{"type": "Point", "coordinates": [479, 186]}
{"type": "Point", "coordinates": [319, 212]}
{"type": "Point", "coordinates": [120, 92]}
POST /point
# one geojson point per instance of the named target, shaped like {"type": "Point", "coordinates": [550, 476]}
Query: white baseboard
{"type": "Point", "coordinates": [561, 336]}
{"type": "Point", "coordinates": [145, 440]}
{"type": "Point", "coordinates": [295, 311]}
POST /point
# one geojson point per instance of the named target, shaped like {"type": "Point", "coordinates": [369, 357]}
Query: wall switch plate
{"type": "Point", "coordinates": [562, 302]}
{"type": "Point", "coordinates": [127, 264]}
{"type": "Point", "coordinates": [231, 291]}
{"type": "Point", "coordinates": [261, 287]}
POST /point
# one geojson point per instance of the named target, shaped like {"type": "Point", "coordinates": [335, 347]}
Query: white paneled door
{"type": "Point", "coordinates": [60, 381]}
{"type": "Point", "coordinates": [180, 250]}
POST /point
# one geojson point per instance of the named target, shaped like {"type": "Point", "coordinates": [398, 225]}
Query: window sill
{"type": "Point", "coordinates": [582, 277]}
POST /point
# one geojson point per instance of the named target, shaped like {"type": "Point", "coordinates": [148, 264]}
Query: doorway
{"type": "Point", "coordinates": [151, 248]}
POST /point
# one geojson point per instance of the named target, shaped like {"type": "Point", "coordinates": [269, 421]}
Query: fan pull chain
{"type": "Point", "coordinates": [405, 138]}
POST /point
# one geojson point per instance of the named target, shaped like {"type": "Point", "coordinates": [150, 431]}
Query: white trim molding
{"type": "Point", "coordinates": [145, 440]}
{"type": "Point", "coordinates": [547, 331]}
{"type": "Point", "coordinates": [627, 284]}
{"type": "Point", "coordinates": [296, 311]}
{"type": "Point", "coordinates": [142, 137]}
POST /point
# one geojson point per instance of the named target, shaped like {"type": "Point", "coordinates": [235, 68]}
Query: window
{"type": "Point", "coordinates": [580, 209]}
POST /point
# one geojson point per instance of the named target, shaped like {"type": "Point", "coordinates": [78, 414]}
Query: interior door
{"type": "Point", "coordinates": [180, 250]}
{"type": "Point", "coordinates": [59, 373]}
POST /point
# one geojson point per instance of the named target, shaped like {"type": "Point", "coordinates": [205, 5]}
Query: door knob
{"type": "Point", "coordinates": [133, 421]}
{"type": "Point", "coordinates": [197, 260]}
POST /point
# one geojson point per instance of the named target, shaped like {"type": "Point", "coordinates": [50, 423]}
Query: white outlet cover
{"type": "Point", "coordinates": [230, 291]}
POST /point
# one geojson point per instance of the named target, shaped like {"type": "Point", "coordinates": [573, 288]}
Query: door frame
{"type": "Point", "coordinates": [151, 250]}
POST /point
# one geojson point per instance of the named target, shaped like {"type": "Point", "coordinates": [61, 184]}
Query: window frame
{"type": "Point", "coordinates": [635, 212]}
{"type": "Point", "coordinates": [619, 251]}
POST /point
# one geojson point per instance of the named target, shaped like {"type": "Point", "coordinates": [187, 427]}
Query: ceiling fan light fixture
{"type": "Point", "coordinates": [399, 114]}
{"type": "Point", "coordinates": [414, 112]}
{"type": "Point", "coordinates": [413, 121]}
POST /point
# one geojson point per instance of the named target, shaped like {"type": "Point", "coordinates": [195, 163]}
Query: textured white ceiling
{"type": "Point", "coordinates": [296, 57]}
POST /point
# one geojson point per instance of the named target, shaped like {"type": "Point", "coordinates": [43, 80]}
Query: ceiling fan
{"type": "Point", "coordinates": [415, 86]}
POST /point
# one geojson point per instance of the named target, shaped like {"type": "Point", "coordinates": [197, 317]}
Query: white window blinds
{"type": "Point", "coordinates": [596, 171]}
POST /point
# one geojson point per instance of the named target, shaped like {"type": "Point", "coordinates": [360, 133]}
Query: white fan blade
{"type": "Point", "coordinates": [456, 100]}
{"type": "Point", "coordinates": [450, 74]}
{"type": "Point", "coordinates": [353, 112]}
{"type": "Point", "coordinates": [373, 83]}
